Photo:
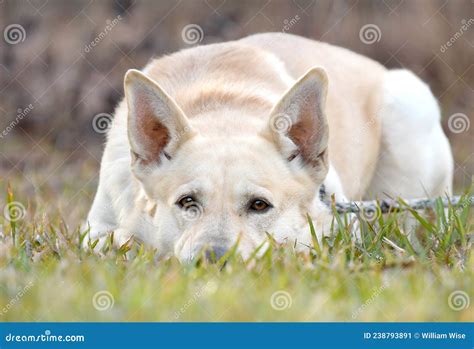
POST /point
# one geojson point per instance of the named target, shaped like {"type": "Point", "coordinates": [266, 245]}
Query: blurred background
{"type": "Point", "coordinates": [62, 65]}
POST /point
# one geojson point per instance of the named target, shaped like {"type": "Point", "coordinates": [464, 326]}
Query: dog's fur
{"type": "Point", "coordinates": [270, 117]}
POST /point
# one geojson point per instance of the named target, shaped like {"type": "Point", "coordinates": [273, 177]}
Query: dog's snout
{"type": "Point", "coordinates": [213, 254]}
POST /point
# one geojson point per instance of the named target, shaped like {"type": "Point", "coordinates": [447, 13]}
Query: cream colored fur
{"type": "Point", "coordinates": [270, 117]}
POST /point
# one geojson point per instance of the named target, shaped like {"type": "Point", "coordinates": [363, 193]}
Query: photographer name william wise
{"type": "Point", "coordinates": [438, 335]}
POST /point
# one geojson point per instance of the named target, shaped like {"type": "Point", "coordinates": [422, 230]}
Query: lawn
{"type": "Point", "coordinates": [46, 276]}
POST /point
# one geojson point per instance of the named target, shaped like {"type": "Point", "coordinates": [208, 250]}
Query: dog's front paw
{"type": "Point", "coordinates": [97, 238]}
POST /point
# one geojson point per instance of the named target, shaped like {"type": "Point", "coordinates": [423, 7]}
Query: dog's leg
{"type": "Point", "coordinates": [101, 219]}
{"type": "Point", "coordinates": [415, 159]}
{"type": "Point", "coordinates": [333, 186]}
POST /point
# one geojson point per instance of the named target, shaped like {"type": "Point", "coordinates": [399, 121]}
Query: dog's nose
{"type": "Point", "coordinates": [213, 254]}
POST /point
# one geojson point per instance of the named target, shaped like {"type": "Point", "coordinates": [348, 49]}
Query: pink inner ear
{"type": "Point", "coordinates": [306, 133]}
{"type": "Point", "coordinates": [151, 133]}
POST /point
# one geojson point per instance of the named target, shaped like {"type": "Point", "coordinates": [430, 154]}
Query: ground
{"type": "Point", "coordinates": [46, 276]}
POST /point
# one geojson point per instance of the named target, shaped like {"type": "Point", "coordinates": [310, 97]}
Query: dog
{"type": "Point", "coordinates": [219, 145]}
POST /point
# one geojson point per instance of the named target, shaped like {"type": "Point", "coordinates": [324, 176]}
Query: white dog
{"type": "Point", "coordinates": [227, 142]}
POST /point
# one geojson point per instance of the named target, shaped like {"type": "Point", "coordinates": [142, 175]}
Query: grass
{"type": "Point", "coordinates": [46, 276]}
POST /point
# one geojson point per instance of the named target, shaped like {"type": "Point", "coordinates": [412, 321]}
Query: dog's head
{"type": "Point", "coordinates": [208, 188]}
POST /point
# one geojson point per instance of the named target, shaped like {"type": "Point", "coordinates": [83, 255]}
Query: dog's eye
{"type": "Point", "coordinates": [259, 205]}
{"type": "Point", "coordinates": [186, 201]}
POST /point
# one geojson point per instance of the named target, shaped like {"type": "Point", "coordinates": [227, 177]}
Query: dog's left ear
{"type": "Point", "coordinates": [298, 124]}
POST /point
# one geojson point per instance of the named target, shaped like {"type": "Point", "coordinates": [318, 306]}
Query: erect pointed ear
{"type": "Point", "coordinates": [298, 124]}
{"type": "Point", "coordinates": [156, 125]}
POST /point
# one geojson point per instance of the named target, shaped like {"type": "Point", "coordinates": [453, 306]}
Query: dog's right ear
{"type": "Point", "coordinates": [156, 125]}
